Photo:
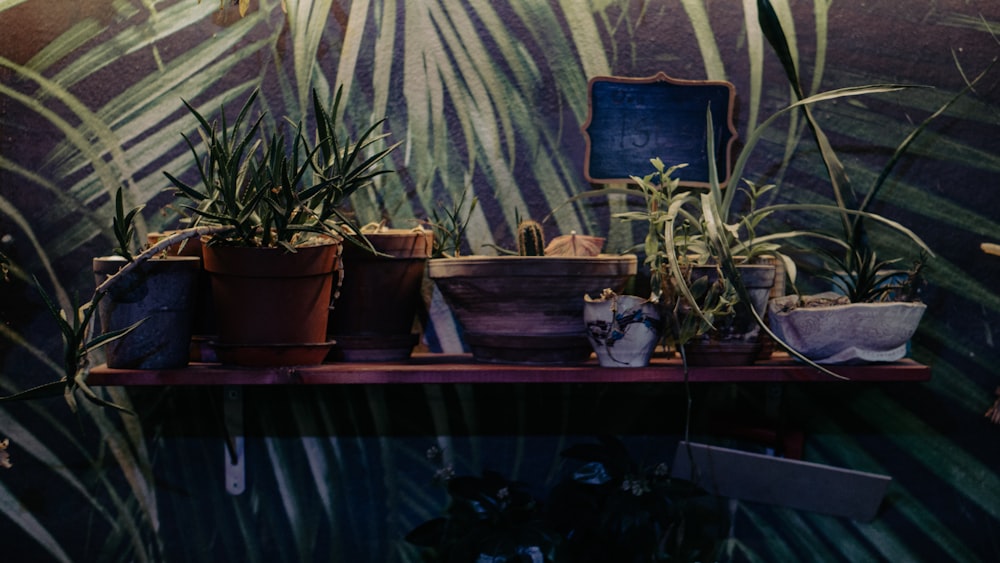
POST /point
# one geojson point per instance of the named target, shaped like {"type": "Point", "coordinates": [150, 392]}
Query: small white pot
{"type": "Point", "coordinates": [623, 330]}
{"type": "Point", "coordinates": [852, 333]}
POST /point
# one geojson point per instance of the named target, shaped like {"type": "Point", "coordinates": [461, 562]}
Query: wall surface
{"type": "Point", "coordinates": [488, 98]}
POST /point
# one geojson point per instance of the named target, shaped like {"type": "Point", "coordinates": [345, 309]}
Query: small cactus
{"type": "Point", "coordinates": [530, 239]}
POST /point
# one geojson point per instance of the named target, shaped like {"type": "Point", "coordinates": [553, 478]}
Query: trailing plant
{"type": "Point", "coordinates": [76, 325]}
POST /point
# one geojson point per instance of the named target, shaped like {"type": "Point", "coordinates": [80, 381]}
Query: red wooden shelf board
{"type": "Point", "coordinates": [441, 368]}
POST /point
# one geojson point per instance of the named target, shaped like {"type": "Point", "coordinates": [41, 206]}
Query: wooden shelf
{"type": "Point", "coordinates": [442, 368]}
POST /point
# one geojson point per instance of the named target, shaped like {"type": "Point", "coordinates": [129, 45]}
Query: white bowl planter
{"type": "Point", "coordinates": [623, 329]}
{"type": "Point", "coordinates": [851, 333]}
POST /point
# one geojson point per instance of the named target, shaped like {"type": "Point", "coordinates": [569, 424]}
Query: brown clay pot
{"type": "Point", "coordinates": [271, 306]}
{"type": "Point", "coordinates": [373, 317]}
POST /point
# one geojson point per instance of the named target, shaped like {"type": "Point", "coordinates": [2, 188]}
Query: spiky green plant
{"type": "Point", "coordinates": [261, 198]}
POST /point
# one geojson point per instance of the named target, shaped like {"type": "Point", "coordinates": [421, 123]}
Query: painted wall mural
{"type": "Point", "coordinates": [488, 99]}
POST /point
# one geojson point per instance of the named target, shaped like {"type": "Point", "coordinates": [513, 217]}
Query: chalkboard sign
{"type": "Point", "coordinates": [635, 119]}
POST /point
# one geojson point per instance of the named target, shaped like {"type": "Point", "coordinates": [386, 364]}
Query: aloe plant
{"type": "Point", "coordinates": [261, 198]}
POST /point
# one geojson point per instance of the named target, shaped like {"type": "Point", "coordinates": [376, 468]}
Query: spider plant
{"type": "Point", "coordinates": [858, 268]}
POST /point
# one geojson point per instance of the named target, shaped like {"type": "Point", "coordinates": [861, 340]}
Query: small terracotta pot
{"type": "Point", "coordinates": [373, 317]}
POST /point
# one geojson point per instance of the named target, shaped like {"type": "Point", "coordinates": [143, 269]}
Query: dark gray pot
{"type": "Point", "coordinates": [162, 291]}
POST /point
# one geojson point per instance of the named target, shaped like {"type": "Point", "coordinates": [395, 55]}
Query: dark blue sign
{"type": "Point", "coordinates": [635, 119]}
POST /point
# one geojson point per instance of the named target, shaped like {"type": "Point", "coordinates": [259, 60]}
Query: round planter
{"type": "Point", "coordinates": [527, 309]}
{"type": "Point", "coordinates": [373, 316]}
{"type": "Point", "coordinates": [623, 329]}
{"type": "Point", "coordinates": [851, 333]}
{"type": "Point", "coordinates": [163, 292]}
{"type": "Point", "coordinates": [738, 341]}
{"type": "Point", "coordinates": [270, 298]}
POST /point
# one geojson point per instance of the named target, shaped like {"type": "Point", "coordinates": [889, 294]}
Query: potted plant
{"type": "Point", "coordinates": [703, 272]}
{"type": "Point", "coordinates": [875, 310]}
{"type": "Point", "coordinates": [280, 200]}
{"type": "Point", "coordinates": [158, 295]}
{"type": "Point", "coordinates": [488, 518]}
{"type": "Point", "coordinates": [721, 272]}
{"type": "Point", "coordinates": [203, 324]}
{"type": "Point", "coordinates": [852, 326]}
{"type": "Point", "coordinates": [78, 324]}
{"type": "Point", "coordinates": [526, 308]}
{"type": "Point", "coordinates": [611, 507]}
{"type": "Point", "coordinates": [624, 330]}
{"type": "Point", "coordinates": [373, 317]}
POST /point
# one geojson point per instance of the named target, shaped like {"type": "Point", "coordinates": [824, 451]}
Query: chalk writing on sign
{"type": "Point", "coordinates": [635, 119]}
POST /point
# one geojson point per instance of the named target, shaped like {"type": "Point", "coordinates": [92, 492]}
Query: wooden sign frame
{"type": "Point", "coordinates": [631, 120]}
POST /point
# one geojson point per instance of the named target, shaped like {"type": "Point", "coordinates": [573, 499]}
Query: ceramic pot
{"type": "Point", "coordinates": [163, 292]}
{"type": "Point", "coordinates": [623, 329]}
{"type": "Point", "coordinates": [203, 322]}
{"type": "Point", "coordinates": [527, 309]}
{"type": "Point", "coordinates": [849, 333]}
{"type": "Point", "coordinates": [271, 305]}
{"type": "Point", "coordinates": [373, 317]}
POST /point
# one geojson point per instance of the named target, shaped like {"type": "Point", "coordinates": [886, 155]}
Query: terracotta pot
{"type": "Point", "coordinates": [527, 309]}
{"type": "Point", "coordinates": [268, 298]}
{"type": "Point", "coordinates": [163, 292]}
{"type": "Point", "coordinates": [737, 341]}
{"type": "Point", "coordinates": [623, 330]}
{"type": "Point", "coordinates": [373, 316]}
{"type": "Point", "coordinates": [851, 333]}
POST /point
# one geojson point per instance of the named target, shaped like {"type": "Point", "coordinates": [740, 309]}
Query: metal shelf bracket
{"type": "Point", "coordinates": [235, 469]}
